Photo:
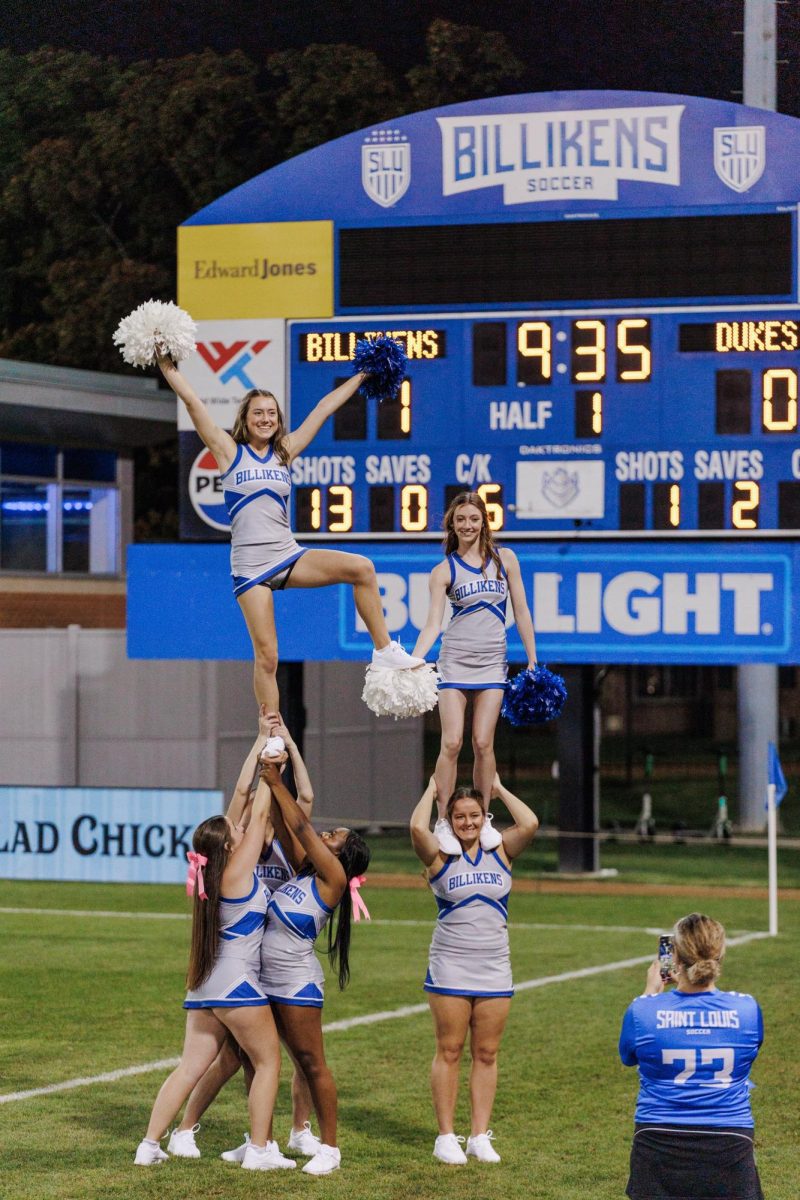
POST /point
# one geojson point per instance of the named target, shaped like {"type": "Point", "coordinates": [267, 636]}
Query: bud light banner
{"type": "Point", "coordinates": [101, 835]}
{"type": "Point", "coordinates": [622, 602]}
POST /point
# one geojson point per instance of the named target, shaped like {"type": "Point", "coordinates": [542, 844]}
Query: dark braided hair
{"type": "Point", "coordinates": [354, 857]}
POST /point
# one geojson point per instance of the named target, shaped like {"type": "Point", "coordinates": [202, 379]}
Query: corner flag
{"type": "Point", "coordinates": [775, 774]}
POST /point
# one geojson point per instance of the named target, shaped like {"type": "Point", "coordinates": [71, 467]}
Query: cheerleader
{"type": "Point", "coordinates": [469, 981]}
{"type": "Point", "coordinates": [478, 578]}
{"type": "Point", "coordinates": [254, 460]}
{"type": "Point", "coordinates": [225, 995]}
{"type": "Point", "coordinates": [330, 866]}
{"type": "Point", "coordinates": [273, 869]}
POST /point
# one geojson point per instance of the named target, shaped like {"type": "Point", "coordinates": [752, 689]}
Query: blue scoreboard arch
{"type": "Point", "coordinates": [598, 294]}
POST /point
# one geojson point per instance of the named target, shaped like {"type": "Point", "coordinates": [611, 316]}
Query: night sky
{"type": "Point", "coordinates": [686, 46]}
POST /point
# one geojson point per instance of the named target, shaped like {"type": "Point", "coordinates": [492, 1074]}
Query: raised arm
{"type": "Point", "coordinates": [425, 845]}
{"type": "Point", "coordinates": [523, 831]}
{"type": "Point", "coordinates": [297, 441]}
{"type": "Point", "coordinates": [330, 872]}
{"type": "Point", "coordinates": [218, 440]}
{"type": "Point", "coordinates": [305, 792]}
{"type": "Point", "coordinates": [237, 876]}
{"type": "Point", "coordinates": [437, 588]}
{"type": "Point", "coordinates": [519, 603]}
{"type": "Point", "coordinates": [241, 793]}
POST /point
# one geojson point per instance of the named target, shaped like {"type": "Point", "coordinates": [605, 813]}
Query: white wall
{"type": "Point", "coordinates": [75, 711]}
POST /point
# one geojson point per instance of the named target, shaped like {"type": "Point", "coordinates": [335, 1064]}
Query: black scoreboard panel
{"type": "Point", "coordinates": [512, 263]}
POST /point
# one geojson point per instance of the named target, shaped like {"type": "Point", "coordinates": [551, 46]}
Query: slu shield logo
{"type": "Point", "coordinates": [740, 155]}
{"type": "Point", "coordinates": [386, 166]}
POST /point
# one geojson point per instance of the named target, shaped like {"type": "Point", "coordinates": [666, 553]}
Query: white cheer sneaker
{"type": "Point", "coordinates": [268, 1159]}
{"type": "Point", "coordinates": [327, 1159]}
{"type": "Point", "coordinates": [447, 841]}
{"type": "Point", "coordinates": [272, 748]}
{"type": "Point", "coordinates": [490, 837]}
{"type": "Point", "coordinates": [304, 1141]}
{"type": "Point", "coordinates": [395, 658]}
{"type": "Point", "coordinates": [447, 1148]}
{"type": "Point", "coordinates": [182, 1144]}
{"type": "Point", "coordinates": [238, 1154]}
{"type": "Point", "coordinates": [148, 1153]}
{"type": "Point", "coordinates": [480, 1147]}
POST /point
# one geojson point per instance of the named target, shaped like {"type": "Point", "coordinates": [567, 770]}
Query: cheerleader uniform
{"type": "Point", "coordinates": [473, 653]}
{"type": "Point", "coordinates": [291, 973]}
{"type": "Point", "coordinates": [234, 981]}
{"type": "Point", "coordinates": [256, 491]}
{"type": "Point", "coordinates": [469, 951]}
{"type": "Point", "coordinates": [273, 867]}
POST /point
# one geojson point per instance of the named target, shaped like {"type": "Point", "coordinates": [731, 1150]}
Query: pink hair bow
{"type": "Point", "coordinates": [195, 874]}
{"type": "Point", "coordinates": [359, 906]}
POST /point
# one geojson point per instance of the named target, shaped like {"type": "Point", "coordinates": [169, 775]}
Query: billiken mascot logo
{"type": "Point", "coordinates": [205, 492]}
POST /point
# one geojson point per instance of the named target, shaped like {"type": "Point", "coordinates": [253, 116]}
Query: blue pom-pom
{"type": "Point", "coordinates": [384, 362]}
{"type": "Point", "coordinates": [533, 697]}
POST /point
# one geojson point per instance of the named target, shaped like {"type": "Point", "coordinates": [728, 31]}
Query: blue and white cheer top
{"type": "Point", "coordinates": [234, 978]}
{"type": "Point", "coordinates": [256, 490]}
{"type": "Point", "coordinates": [291, 973]}
{"type": "Point", "coordinates": [469, 953]}
{"type": "Point", "coordinates": [473, 653]}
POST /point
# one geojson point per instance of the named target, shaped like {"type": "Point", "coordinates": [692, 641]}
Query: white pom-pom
{"type": "Point", "coordinates": [155, 324]}
{"type": "Point", "coordinates": [392, 693]}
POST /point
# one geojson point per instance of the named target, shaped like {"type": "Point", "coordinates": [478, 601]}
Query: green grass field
{"type": "Point", "coordinates": [83, 995]}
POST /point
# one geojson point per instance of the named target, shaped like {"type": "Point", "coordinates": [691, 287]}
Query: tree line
{"type": "Point", "coordinates": [101, 161]}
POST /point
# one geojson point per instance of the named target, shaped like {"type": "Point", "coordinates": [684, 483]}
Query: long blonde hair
{"type": "Point", "coordinates": [278, 439]}
{"type": "Point", "coordinates": [699, 947]}
{"type": "Point", "coordinates": [486, 546]}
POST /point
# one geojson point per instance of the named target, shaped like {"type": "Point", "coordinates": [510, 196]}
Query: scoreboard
{"type": "Point", "coordinates": [598, 294]}
{"type": "Point", "coordinates": [596, 420]}
{"type": "Point", "coordinates": [599, 297]}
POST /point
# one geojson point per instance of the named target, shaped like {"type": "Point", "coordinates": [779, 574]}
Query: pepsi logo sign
{"type": "Point", "coordinates": [205, 491]}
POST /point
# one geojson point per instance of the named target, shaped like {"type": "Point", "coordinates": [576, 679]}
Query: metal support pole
{"type": "Point", "coordinates": [757, 682]}
{"type": "Point", "coordinates": [760, 89]}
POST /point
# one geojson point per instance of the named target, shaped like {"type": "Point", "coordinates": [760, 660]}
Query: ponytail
{"type": "Point", "coordinates": [211, 839]}
{"type": "Point", "coordinates": [354, 858]}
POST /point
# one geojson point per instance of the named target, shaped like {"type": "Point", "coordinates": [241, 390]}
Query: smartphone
{"type": "Point", "coordinates": [665, 956]}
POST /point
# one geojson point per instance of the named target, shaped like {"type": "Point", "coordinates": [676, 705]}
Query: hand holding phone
{"type": "Point", "coordinates": [665, 958]}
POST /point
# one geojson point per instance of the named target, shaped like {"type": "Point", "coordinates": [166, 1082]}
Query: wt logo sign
{"type": "Point", "coordinates": [230, 363]}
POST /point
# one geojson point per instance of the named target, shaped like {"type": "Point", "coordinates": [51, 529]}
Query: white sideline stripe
{"type": "Point", "coordinates": [157, 916]}
{"type": "Point", "coordinates": [98, 912]}
{"type": "Point", "coordinates": [409, 1010]}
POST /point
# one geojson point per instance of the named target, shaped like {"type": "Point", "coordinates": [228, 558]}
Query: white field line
{"type": "Point", "coordinates": [393, 1014]}
{"type": "Point", "coordinates": [158, 916]}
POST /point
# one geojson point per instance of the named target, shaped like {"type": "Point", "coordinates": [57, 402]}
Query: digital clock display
{"type": "Point", "coordinates": [568, 424]}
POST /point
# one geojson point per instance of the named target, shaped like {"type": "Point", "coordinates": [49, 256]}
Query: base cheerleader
{"type": "Point", "coordinates": [273, 870]}
{"type": "Point", "coordinates": [225, 993]}
{"type": "Point", "coordinates": [469, 981]}
{"type": "Point", "coordinates": [330, 866]}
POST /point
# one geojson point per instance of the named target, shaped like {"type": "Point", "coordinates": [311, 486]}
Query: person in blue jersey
{"type": "Point", "coordinates": [225, 995]}
{"type": "Point", "coordinates": [694, 1048]}
{"type": "Point", "coordinates": [478, 578]}
{"type": "Point", "coordinates": [329, 867]}
{"type": "Point", "coordinates": [273, 869]}
{"type": "Point", "coordinates": [255, 461]}
{"type": "Point", "coordinates": [469, 982]}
